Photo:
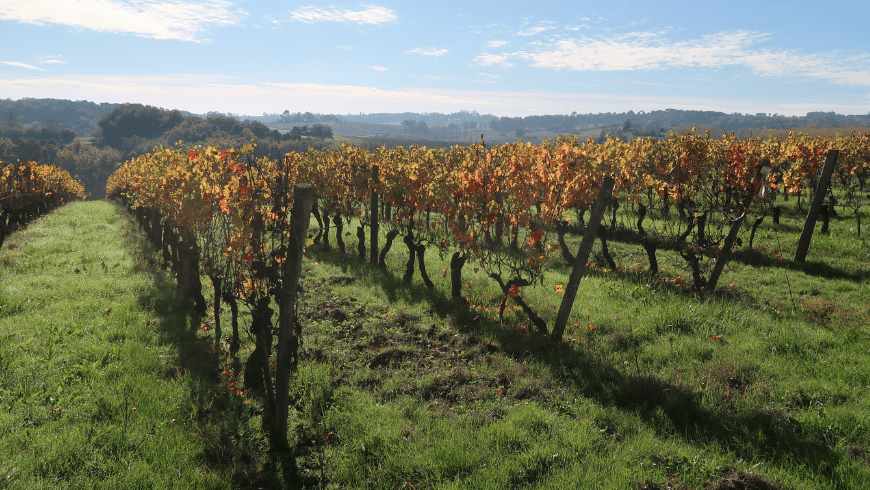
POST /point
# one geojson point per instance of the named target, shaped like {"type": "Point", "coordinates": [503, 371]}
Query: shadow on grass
{"type": "Point", "coordinates": [231, 452]}
{"type": "Point", "coordinates": [764, 435]}
{"type": "Point", "coordinates": [755, 257]}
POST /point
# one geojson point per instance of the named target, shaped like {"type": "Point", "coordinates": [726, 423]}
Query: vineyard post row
{"type": "Point", "coordinates": [794, 161]}
{"type": "Point", "coordinates": [483, 196]}
{"type": "Point", "coordinates": [244, 225]}
{"type": "Point", "coordinates": [225, 213]}
{"type": "Point", "coordinates": [29, 190]}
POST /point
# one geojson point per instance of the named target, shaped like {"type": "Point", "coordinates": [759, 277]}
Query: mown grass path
{"type": "Point", "coordinates": [107, 381]}
{"type": "Point", "coordinates": [101, 381]}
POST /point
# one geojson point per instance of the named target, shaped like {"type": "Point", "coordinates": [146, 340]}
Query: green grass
{"type": "Point", "coordinates": [102, 383]}
{"type": "Point", "coordinates": [412, 388]}
{"type": "Point", "coordinates": [398, 386]}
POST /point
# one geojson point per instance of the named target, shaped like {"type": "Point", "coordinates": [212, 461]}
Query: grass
{"type": "Point", "coordinates": [765, 383]}
{"type": "Point", "coordinates": [102, 383]}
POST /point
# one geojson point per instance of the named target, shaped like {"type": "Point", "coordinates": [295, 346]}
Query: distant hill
{"type": "Point", "coordinates": [82, 117]}
{"type": "Point", "coordinates": [465, 126]}
{"type": "Point", "coordinates": [91, 139]}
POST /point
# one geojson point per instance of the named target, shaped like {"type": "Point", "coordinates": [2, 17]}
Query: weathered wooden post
{"type": "Point", "coordinates": [598, 208]}
{"type": "Point", "coordinates": [800, 255]}
{"type": "Point", "coordinates": [375, 228]}
{"type": "Point", "coordinates": [288, 332]}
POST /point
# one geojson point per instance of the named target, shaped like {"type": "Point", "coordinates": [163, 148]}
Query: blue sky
{"type": "Point", "coordinates": [505, 58]}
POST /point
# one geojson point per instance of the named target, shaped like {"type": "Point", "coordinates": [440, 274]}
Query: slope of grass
{"type": "Point", "coordinates": [765, 383]}
{"type": "Point", "coordinates": [102, 383]}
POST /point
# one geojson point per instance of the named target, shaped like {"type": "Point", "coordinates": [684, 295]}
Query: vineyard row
{"type": "Point", "coordinates": [508, 208]}
{"type": "Point", "coordinates": [29, 190]}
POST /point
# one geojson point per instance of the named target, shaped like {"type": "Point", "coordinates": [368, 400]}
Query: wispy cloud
{"type": "Point", "coordinates": [641, 51]}
{"type": "Point", "coordinates": [370, 15]}
{"type": "Point", "coordinates": [487, 59]}
{"type": "Point", "coordinates": [343, 95]}
{"type": "Point", "coordinates": [197, 93]}
{"type": "Point", "coordinates": [534, 30]}
{"type": "Point", "coordinates": [378, 68]}
{"type": "Point", "coordinates": [158, 19]}
{"type": "Point", "coordinates": [21, 65]}
{"type": "Point", "coordinates": [651, 51]}
{"type": "Point", "coordinates": [52, 60]}
{"type": "Point", "coordinates": [429, 52]}
{"type": "Point", "coordinates": [495, 44]}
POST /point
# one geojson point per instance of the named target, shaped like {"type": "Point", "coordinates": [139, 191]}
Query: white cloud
{"type": "Point", "coordinates": [429, 52]}
{"type": "Point", "coordinates": [495, 59]}
{"type": "Point", "coordinates": [54, 61]}
{"type": "Point", "coordinates": [21, 65]}
{"type": "Point", "coordinates": [495, 44]}
{"type": "Point", "coordinates": [212, 92]}
{"type": "Point", "coordinates": [812, 66]}
{"type": "Point", "coordinates": [534, 30]}
{"type": "Point", "coordinates": [650, 51]}
{"type": "Point", "coordinates": [158, 19]}
{"type": "Point", "coordinates": [378, 68]}
{"type": "Point", "coordinates": [371, 15]}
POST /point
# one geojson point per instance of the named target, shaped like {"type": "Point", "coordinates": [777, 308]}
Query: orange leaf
{"type": "Point", "coordinates": [536, 236]}
{"type": "Point", "coordinates": [107, 310]}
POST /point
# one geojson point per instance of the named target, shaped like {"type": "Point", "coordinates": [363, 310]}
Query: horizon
{"type": "Point", "coordinates": [514, 59]}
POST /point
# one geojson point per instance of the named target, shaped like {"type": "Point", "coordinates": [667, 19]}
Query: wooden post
{"type": "Point", "coordinates": [598, 208]}
{"type": "Point", "coordinates": [288, 335]}
{"type": "Point", "coordinates": [800, 255]}
{"type": "Point", "coordinates": [725, 254]}
{"type": "Point", "coordinates": [375, 228]}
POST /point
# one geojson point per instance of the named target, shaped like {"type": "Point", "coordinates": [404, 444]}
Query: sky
{"type": "Point", "coordinates": [504, 58]}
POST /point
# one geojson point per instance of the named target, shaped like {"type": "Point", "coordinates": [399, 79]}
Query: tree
{"type": "Point", "coordinates": [135, 120]}
{"type": "Point", "coordinates": [90, 165]}
{"type": "Point", "coordinates": [321, 131]}
{"type": "Point", "coordinates": [415, 127]}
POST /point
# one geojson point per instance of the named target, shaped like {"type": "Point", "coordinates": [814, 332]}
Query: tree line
{"type": "Point", "coordinates": [129, 130]}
